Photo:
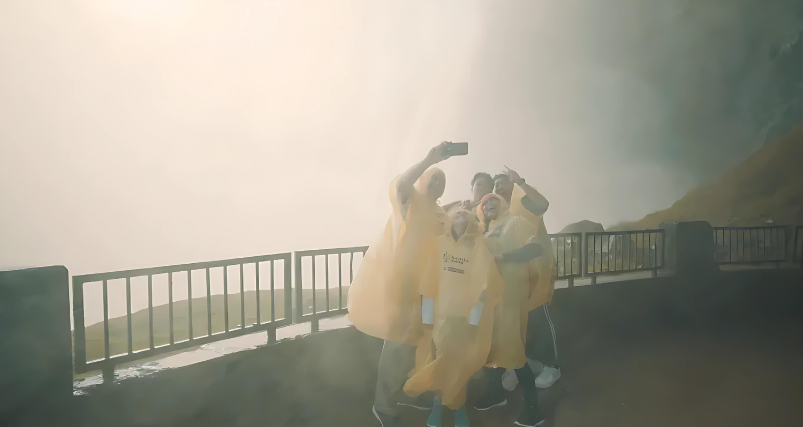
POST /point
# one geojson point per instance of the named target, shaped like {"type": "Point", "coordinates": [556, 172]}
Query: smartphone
{"type": "Point", "coordinates": [457, 149]}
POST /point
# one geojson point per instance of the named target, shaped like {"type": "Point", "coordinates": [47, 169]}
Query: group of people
{"type": "Point", "coordinates": [458, 289]}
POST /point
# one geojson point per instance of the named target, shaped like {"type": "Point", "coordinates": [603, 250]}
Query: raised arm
{"type": "Point", "coordinates": [404, 186]}
{"type": "Point", "coordinates": [535, 202]}
{"type": "Point", "coordinates": [449, 206]}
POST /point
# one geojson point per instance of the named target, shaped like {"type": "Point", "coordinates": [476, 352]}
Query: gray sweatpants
{"type": "Point", "coordinates": [395, 364]}
{"type": "Point", "coordinates": [542, 344]}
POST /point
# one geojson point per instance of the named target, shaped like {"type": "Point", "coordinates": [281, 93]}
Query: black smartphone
{"type": "Point", "coordinates": [457, 149]}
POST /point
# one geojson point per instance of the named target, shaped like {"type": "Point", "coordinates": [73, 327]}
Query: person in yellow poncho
{"type": "Point", "coordinates": [541, 346]}
{"type": "Point", "coordinates": [505, 233]}
{"type": "Point", "coordinates": [531, 205]}
{"type": "Point", "coordinates": [385, 295]}
{"type": "Point", "coordinates": [481, 184]}
{"type": "Point", "coordinates": [460, 307]}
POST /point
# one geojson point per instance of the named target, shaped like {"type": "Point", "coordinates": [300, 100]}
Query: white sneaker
{"type": "Point", "coordinates": [535, 366]}
{"type": "Point", "coordinates": [510, 380]}
{"type": "Point", "coordinates": [547, 377]}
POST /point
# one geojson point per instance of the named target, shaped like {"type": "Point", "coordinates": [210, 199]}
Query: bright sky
{"type": "Point", "coordinates": [154, 132]}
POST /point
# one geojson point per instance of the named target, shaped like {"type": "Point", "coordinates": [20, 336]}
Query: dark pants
{"type": "Point", "coordinates": [541, 342]}
{"type": "Point", "coordinates": [526, 380]}
{"type": "Point", "coordinates": [541, 345]}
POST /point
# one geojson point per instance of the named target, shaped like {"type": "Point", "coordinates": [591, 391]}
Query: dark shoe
{"type": "Point", "coordinates": [530, 417]}
{"type": "Point", "coordinates": [423, 403]}
{"type": "Point", "coordinates": [387, 420]}
{"type": "Point", "coordinates": [490, 400]}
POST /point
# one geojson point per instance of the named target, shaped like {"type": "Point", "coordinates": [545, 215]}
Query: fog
{"type": "Point", "coordinates": [155, 132]}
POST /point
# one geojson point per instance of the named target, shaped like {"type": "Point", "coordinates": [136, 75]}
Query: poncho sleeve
{"type": "Point", "coordinates": [384, 299]}
{"type": "Point", "coordinates": [542, 269]}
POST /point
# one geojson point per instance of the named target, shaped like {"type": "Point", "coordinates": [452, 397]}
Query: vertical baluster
{"type": "Point", "coordinates": [273, 295]}
{"type": "Point", "coordinates": [327, 282]}
{"type": "Point", "coordinates": [242, 298]}
{"type": "Point", "coordinates": [208, 304]}
{"type": "Point", "coordinates": [640, 248]}
{"type": "Point", "coordinates": [128, 314]}
{"type": "Point", "coordinates": [105, 321]}
{"type": "Point", "coordinates": [314, 300]}
{"type": "Point", "coordinates": [150, 311]}
{"type": "Point", "coordinates": [339, 281]}
{"type": "Point", "coordinates": [256, 270]}
{"type": "Point", "coordinates": [189, 304]}
{"type": "Point", "coordinates": [170, 302]}
{"type": "Point", "coordinates": [226, 298]}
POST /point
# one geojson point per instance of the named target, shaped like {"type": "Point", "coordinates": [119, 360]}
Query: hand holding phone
{"type": "Point", "coordinates": [457, 149]}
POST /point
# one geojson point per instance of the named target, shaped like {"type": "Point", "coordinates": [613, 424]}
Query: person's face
{"type": "Point", "coordinates": [502, 185]}
{"type": "Point", "coordinates": [436, 186]}
{"type": "Point", "coordinates": [491, 209]}
{"type": "Point", "coordinates": [460, 224]}
{"type": "Point", "coordinates": [482, 187]}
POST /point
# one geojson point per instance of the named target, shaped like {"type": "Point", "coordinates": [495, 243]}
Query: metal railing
{"type": "Point", "coordinates": [309, 309]}
{"type": "Point", "coordinates": [798, 257]}
{"type": "Point", "coordinates": [624, 251]}
{"type": "Point", "coordinates": [568, 251]}
{"type": "Point", "coordinates": [576, 254]}
{"type": "Point", "coordinates": [749, 245]}
{"type": "Point", "coordinates": [109, 359]}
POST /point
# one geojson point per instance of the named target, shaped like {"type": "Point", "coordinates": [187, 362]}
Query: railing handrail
{"type": "Point", "coordinates": [748, 227]}
{"type": "Point", "coordinates": [623, 232]}
{"type": "Point", "coordinates": [331, 251]}
{"type": "Point", "coordinates": [150, 271]}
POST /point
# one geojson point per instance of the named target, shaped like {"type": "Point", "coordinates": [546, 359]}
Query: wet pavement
{"type": "Point", "coordinates": [658, 352]}
{"type": "Point", "coordinates": [714, 374]}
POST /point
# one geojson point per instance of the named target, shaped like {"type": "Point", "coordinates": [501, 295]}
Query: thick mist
{"type": "Point", "coordinates": [143, 133]}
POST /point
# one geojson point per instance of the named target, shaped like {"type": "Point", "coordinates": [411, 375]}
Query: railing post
{"type": "Point", "coordinates": [271, 335]}
{"type": "Point", "coordinates": [79, 336]}
{"type": "Point", "coordinates": [571, 281]}
{"type": "Point", "coordinates": [108, 374]}
{"type": "Point", "coordinates": [314, 326]}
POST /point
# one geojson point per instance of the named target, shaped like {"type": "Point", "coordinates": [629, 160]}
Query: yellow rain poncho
{"type": "Point", "coordinates": [543, 271]}
{"type": "Point", "coordinates": [453, 350]}
{"type": "Point", "coordinates": [384, 299]}
{"type": "Point", "coordinates": [505, 234]}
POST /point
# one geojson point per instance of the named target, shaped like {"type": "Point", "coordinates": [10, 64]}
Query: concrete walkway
{"type": "Point", "coordinates": [716, 374]}
{"type": "Point", "coordinates": [726, 351]}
